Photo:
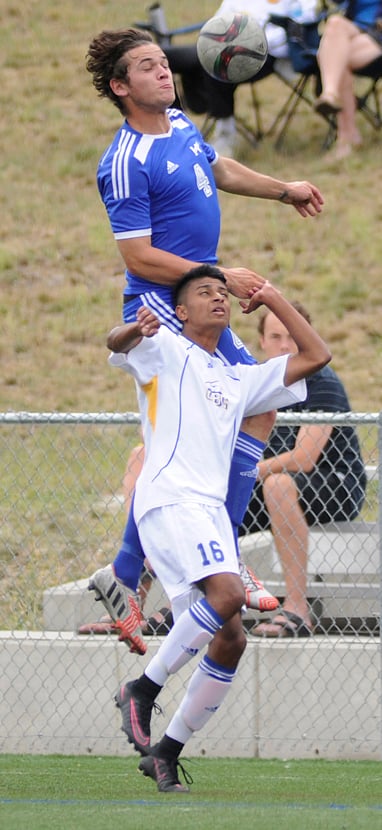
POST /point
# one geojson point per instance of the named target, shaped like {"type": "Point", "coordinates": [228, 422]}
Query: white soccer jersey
{"type": "Point", "coordinates": [192, 406]}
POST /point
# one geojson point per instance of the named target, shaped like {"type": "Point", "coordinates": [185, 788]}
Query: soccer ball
{"type": "Point", "coordinates": [232, 47]}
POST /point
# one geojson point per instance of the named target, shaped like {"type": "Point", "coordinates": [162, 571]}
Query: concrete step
{"type": "Point", "coordinates": [70, 605]}
{"type": "Point", "coordinates": [343, 577]}
{"type": "Point", "coordinates": [67, 606]}
{"type": "Point", "coordinates": [347, 550]}
{"type": "Point", "coordinates": [310, 698]}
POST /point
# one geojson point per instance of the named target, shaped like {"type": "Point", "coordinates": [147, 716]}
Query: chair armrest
{"type": "Point", "coordinates": [169, 33]}
{"type": "Point", "coordinates": [288, 23]}
{"type": "Point", "coordinates": [185, 30]}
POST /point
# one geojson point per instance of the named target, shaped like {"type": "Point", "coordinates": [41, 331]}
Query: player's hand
{"type": "Point", "coordinates": [259, 296]}
{"type": "Point", "coordinates": [241, 282]}
{"type": "Point", "coordinates": [148, 322]}
{"type": "Point", "coordinates": [305, 197]}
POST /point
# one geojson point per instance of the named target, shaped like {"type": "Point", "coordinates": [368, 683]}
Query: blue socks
{"type": "Point", "coordinates": [247, 453]}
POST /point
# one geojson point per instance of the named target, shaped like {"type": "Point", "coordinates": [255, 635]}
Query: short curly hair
{"type": "Point", "coordinates": [105, 58]}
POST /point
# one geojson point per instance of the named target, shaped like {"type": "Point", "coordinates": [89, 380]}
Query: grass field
{"type": "Point", "coordinates": [76, 793]}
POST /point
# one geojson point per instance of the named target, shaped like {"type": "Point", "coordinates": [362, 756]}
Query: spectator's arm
{"type": "Point", "coordinates": [310, 443]}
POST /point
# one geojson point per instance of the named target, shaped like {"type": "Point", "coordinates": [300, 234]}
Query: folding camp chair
{"type": "Point", "coordinates": [157, 25]}
{"type": "Point", "coordinates": [369, 102]}
{"type": "Point", "coordinates": [305, 86]}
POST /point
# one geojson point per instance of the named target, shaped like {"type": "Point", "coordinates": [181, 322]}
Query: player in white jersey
{"type": "Point", "coordinates": [158, 181]}
{"type": "Point", "coordinates": [192, 405]}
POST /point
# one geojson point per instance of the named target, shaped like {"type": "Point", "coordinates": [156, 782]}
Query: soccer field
{"type": "Point", "coordinates": [80, 793]}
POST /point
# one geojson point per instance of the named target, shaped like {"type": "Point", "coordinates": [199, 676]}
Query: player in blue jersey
{"type": "Point", "coordinates": [180, 511]}
{"type": "Point", "coordinates": [159, 181]}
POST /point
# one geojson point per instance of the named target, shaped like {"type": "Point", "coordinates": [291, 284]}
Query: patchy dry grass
{"type": "Point", "coordinates": [61, 276]}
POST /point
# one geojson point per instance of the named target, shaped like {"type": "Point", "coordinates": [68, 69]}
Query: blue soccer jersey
{"type": "Point", "coordinates": [162, 186]}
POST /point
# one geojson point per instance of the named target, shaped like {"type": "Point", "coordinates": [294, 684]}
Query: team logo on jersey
{"type": "Point", "coordinates": [171, 167]}
{"type": "Point", "coordinates": [202, 180]}
{"type": "Point", "coordinates": [217, 398]}
{"type": "Point", "coordinates": [196, 148]}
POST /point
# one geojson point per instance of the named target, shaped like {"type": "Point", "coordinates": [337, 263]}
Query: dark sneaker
{"type": "Point", "coordinates": [136, 712]}
{"type": "Point", "coordinates": [165, 773]}
{"type": "Point", "coordinates": [121, 605]}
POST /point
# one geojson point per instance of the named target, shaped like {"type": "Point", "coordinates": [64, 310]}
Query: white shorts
{"type": "Point", "coordinates": [187, 542]}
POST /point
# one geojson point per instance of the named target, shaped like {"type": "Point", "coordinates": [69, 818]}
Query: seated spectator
{"type": "Point", "coordinates": [203, 94]}
{"type": "Point", "coordinates": [312, 474]}
{"type": "Point", "coordinates": [348, 43]}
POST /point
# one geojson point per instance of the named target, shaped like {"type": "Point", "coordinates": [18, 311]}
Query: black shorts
{"type": "Point", "coordinates": [322, 499]}
{"type": "Point", "coordinates": [375, 32]}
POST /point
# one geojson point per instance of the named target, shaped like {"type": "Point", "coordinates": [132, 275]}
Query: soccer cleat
{"type": "Point", "coordinates": [165, 773]}
{"type": "Point", "coordinates": [136, 712]}
{"type": "Point", "coordinates": [256, 596]}
{"type": "Point", "coordinates": [121, 605]}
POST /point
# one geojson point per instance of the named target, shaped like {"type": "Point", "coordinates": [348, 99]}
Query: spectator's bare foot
{"type": "Point", "coordinates": [284, 624]}
{"type": "Point", "coordinates": [341, 151]}
{"type": "Point", "coordinates": [102, 626]}
{"type": "Point", "coordinates": [356, 139]}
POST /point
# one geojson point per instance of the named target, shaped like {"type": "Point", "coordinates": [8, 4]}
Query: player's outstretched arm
{"type": "Point", "coordinates": [234, 177]}
{"type": "Point", "coordinates": [126, 337]}
{"type": "Point", "coordinates": [312, 352]}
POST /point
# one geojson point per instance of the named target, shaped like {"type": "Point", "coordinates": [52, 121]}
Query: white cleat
{"type": "Point", "coordinates": [256, 596]}
{"type": "Point", "coordinates": [122, 606]}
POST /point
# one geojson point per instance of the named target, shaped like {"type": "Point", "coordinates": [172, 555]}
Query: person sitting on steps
{"type": "Point", "coordinates": [312, 474]}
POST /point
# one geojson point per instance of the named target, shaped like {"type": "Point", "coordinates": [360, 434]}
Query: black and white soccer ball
{"type": "Point", "coordinates": [232, 47]}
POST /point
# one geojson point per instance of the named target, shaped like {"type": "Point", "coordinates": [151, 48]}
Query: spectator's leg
{"type": "Point", "coordinates": [343, 49]}
{"type": "Point", "coordinates": [333, 58]}
{"type": "Point", "coordinates": [220, 105]}
{"type": "Point", "coordinates": [291, 536]}
{"type": "Point", "coordinates": [348, 136]}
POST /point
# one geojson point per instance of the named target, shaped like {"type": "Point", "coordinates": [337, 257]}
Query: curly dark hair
{"type": "Point", "coordinates": [105, 59]}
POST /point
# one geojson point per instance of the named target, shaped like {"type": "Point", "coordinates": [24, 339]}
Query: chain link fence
{"type": "Point", "coordinates": [62, 515]}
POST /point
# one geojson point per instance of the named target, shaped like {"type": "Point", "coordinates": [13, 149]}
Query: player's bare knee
{"type": "Point", "coordinates": [232, 601]}
{"type": "Point", "coordinates": [225, 592]}
{"type": "Point", "coordinates": [229, 643]}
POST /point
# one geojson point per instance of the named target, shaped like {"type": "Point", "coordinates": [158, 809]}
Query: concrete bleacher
{"type": "Point", "coordinates": [343, 581]}
{"type": "Point", "coordinates": [343, 573]}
